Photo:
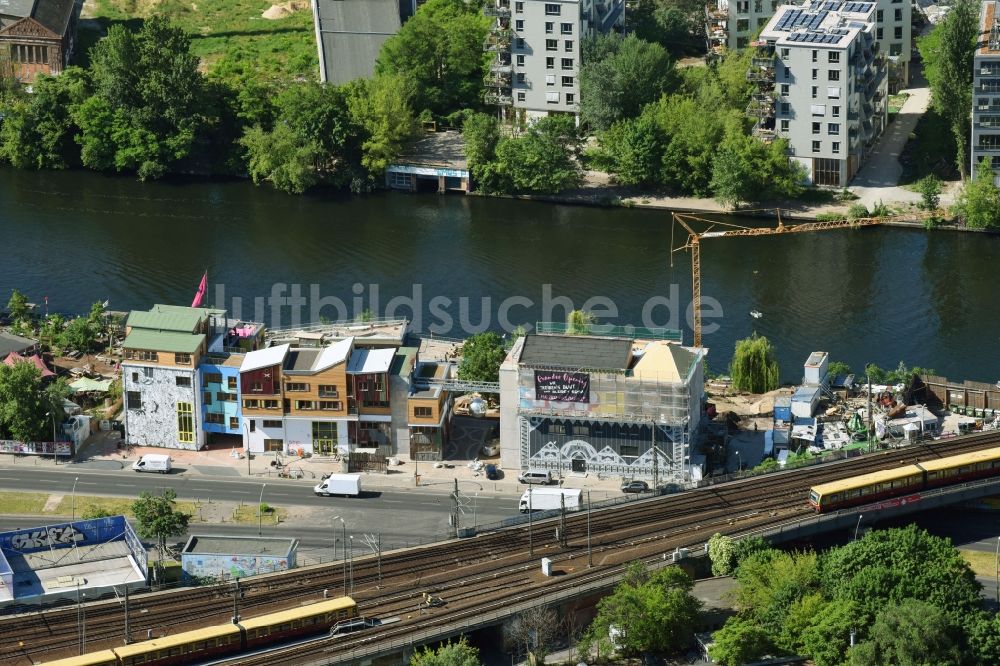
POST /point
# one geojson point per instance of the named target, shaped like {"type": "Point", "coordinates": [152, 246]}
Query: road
{"type": "Point", "coordinates": [402, 517]}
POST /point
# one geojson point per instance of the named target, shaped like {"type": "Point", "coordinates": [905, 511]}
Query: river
{"type": "Point", "coordinates": [868, 295]}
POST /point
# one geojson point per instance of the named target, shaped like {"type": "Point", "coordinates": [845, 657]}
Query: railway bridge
{"type": "Point", "coordinates": [488, 577]}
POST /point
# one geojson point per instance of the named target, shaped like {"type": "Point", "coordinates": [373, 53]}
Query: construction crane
{"type": "Point", "coordinates": [719, 229]}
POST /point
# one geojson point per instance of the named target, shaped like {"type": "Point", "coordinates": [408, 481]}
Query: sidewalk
{"type": "Point", "coordinates": [101, 452]}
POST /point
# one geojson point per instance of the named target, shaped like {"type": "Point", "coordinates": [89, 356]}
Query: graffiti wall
{"type": "Point", "coordinates": [233, 566]}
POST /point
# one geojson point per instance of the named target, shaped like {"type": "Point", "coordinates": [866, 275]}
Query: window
{"type": "Point", "coordinates": [816, 146]}
{"type": "Point", "coordinates": [833, 92]}
{"type": "Point", "coordinates": [818, 109]}
{"type": "Point", "coordinates": [784, 53]}
{"type": "Point", "coordinates": [816, 128]}
{"type": "Point", "coordinates": [815, 92]}
{"type": "Point", "coordinates": [878, 16]}
{"type": "Point", "coordinates": [833, 75]}
{"type": "Point", "coordinates": [331, 405]}
{"type": "Point", "coordinates": [274, 445]}
{"type": "Point", "coordinates": [550, 79]}
{"type": "Point", "coordinates": [567, 81]}
{"type": "Point", "coordinates": [519, 44]}
{"type": "Point", "coordinates": [897, 32]}
{"type": "Point", "coordinates": [786, 108]}
{"type": "Point", "coordinates": [784, 124]}
{"type": "Point", "coordinates": [182, 359]}
{"type": "Point", "coordinates": [550, 27]}
{"type": "Point", "coordinates": [185, 422]}
{"type": "Point", "coordinates": [225, 397]}
{"type": "Point", "coordinates": [551, 44]}
{"type": "Point", "coordinates": [135, 376]}
{"type": "Point", "coordinates": [520, 61]}
{"type": "Point", "coordinates": [550, 63]}
{"type": "Point", "coordinates": [296, 386]}
{"type": "Point", "coordinates": [141, 355]}
{"type": "Point", "coordinates": [895, 49]}
{"type": "Point", "coordinates": [213, 378]}
{"type": "Point", "coordinates": [253, 425]}
{"type": "Point", "coordinates": [553, 10]}
{"type": "Point", "coordinates": [826, 171]}
{"type": "Point", "coordinates": [305, 405]}
{"type": "Point", "coordinates": [742, 42]}
{"type": "Point", "coordinates": [568, 46]}
{"type": "Point", "coordinates": [521, 96]}
{"type": "Point", "coordinates": [570, 98]}
{"type": "Point", "coordinates": [833, 129]}
{"type": "Point", "coordinates": [628, 450]}
{"type": "Point", "coordinates": [878, 33]}
{"type": "Point", "coordinates": [328, 391]}
{"type": "Point", "coordinates": [270, 423]}
{"type": "Point", "coordinates": [566, 63]}
{"type": "Point", "coordinates": [897, 15]}
{"type": "Point", "coordinates": [815, 55]}
{"type": "Point", "coordinates": [758, 6]}
{"type": "Point", "coordinates": [182, 380]}
{"type": "Point", "coordinates": [833, 57]}
{"type": "Point", "coordinates": [269, 404]}
{"type": "Point", "coordinates": [784, 89]}
{"type": "Point", "coordinates": [324, 436]}
{"type": "Point", "coordinates": [423, 412]}
{"type": "Point", "coordinates": [742, 25]}
{"type": "Point", "coordinates": [522, 78]}
{"type": "Point", "coordinates": [552, 98]}
{"type": "Point", "coordinates": [213, 418]}
{"type": "Point", "coordinates": [835, 111]}
{"type": "Point", "coordinates": [231, 383]}
{"type": "Point", "coordinates": [519, 7]}
{"type": "Point", "coordinates": [133, 399]}
{"type": "Point", "coordinates": [835, 147]}
{"type": "Point", "coordinates": [234, 423]}
{"type": "Point", "coordinates": [566, 28]}
{"type": "Point", "coordinates": [557, 429]}
{"type": "Point", "coordinates": [251, 403]}
{"type": "Point", "coordinates": [815, 74]}
{"type": "Point", "coordinates": [207, 397]}
{"type": "Point", "coordinates": [519, 25]}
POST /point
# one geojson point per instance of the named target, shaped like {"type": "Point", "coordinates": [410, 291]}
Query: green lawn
{"type": "Point", "coordinates": [229, 36]}
{"type": "Point", "coordinates": [22, 503]}
{"type": "Point", "coordinates": [247, 513]}
{"type": "Point", "coordinates": [982, 563]}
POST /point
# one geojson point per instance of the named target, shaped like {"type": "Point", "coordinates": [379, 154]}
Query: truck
{"type": "Point", "coordinates": [152, 462]}
{"type": "Point", "coordinates": [546, 499]}
{"type": "Point", "coordinates": [348, 485]}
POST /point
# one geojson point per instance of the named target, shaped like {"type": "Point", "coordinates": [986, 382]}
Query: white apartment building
{"type": "Point", "coordinates": [733, 24]}
{"type": "Point", "coordinates": [986, 91]}
{"type": "Point", "coordinates": [822, 86]}
{"type": "Point", "coordinates": [536, 68]}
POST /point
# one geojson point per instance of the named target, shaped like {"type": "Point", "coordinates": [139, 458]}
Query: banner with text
{"type": "Point", "coordinates": [63, 535]}
{"type": "Point", "coordinates": [562, 386]}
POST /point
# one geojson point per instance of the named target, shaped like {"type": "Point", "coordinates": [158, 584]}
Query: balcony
{"type": "Point", "coordinates": [498, 98]}
{"type": "Point", "coordinates": [499, 41]}
{"type": "Point", "coordinates": [497, 10]}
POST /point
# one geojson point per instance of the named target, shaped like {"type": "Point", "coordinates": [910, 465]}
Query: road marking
{"type": "Point", "coordinates": [10, 478]}
{"type": "Point", "coordinates": [89, 483]}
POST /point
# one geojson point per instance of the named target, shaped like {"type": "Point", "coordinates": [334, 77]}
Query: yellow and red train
{"type": "Point", "coordinates": [876, 486]}
{"type": "Point", "coordinates": [223, 639]}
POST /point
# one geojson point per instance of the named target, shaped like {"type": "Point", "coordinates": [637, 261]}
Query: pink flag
{"type": "Point", "coordinates": [200, 295]}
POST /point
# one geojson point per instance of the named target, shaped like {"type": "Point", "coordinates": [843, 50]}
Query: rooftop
{"type": "Point", "coordinates": [180, 322]}
{"type": "Point", "coordinates": [226, 545]}
{"type": "Point", "coordinates": [577, 351]}
{"type": "Point", "coordinates": [14, 343]}
{"type": "Point", "coordinates": [831, 24]}
{"type": "Point", "coordinates": [365, 361]}
{"type": "Point", "coordinates": [351, 34]}
{"type": "Point", "coordinates": [165, 341]}
{"type": "Point", "coordinates": [665, 362]}
{"type": "Point", "coordinates": [441, 150]}
{"type": "Point", "coordinates": [264, 358]}
{"type": "Point", "coordinates": [53, 14]}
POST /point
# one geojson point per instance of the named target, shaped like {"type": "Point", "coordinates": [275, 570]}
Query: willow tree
{"type": "Point", "coordinates": [754, 368]}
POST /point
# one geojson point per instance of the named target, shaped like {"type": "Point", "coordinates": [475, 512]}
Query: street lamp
{"type": "Point", "coordinates": [352, 563]}
{"type": "Point", "coordinates": [739, 461]}
{"type": "Point", "coordinates": [860, 516]}
{"type": "Point", "coordinates": [74, 497]}
{"type": "Point", "coordinates": [259, 512]}
{"type": "Point", "coordinates": [344, 527]}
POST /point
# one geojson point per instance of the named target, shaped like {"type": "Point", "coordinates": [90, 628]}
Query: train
{"type": "Point", "coordinates": [223, 640]}
{"type": "Point", "coordinates": [905, 480]}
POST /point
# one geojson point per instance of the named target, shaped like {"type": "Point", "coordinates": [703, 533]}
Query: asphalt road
{"type": "Point", "coordinates": [402, 517]}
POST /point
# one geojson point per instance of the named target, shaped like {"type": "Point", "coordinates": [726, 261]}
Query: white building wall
{"type": "Point", "coordinates": [260, 433]}
{"type": "Point", "coordinates": [510, 446]}
{"type": "Point", "coordinates": [155, 423]}
{"type": "Point", "coordinates": [298, 434]}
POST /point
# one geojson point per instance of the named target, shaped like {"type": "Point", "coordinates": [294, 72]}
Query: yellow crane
{"type": "Point", "coordinates": [719, 229]}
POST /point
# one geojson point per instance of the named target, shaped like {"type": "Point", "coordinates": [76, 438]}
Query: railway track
{"type": "Point", "coordinates": [455, 567]}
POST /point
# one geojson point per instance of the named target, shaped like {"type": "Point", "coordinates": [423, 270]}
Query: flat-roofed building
{"type": "Point", "coordinates": [986, 92]}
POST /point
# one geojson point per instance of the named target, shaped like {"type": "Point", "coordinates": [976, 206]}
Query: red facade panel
{"type": "Point", "coordinates": [264, 381]}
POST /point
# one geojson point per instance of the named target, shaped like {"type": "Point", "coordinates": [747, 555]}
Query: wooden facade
{"type": "Point", "coordinates": [37, 37]}
{"type": "Point", "coordinates": [261, 392]}
{"type": "Point", "coordinates": [325, 391]}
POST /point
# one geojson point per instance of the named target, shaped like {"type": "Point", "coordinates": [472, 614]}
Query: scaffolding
{"type": "Point", "coordinates": [761, 108]}
{"type": "Point", "coordinates": [499, 74]}
{"type": "Point", "coordinates": [716, 30]}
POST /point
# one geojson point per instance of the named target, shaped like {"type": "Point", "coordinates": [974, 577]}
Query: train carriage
{"type": "Point", "coordinates": [302, 621]}
{"type": "Point", "coordinates": [102, 658]}
{"type": "Point", "coordinates": [183, 648]}
{"type": "Point", "coordinates": [964, 467]}
{"type": "Point", "coordinates": [866, 488]}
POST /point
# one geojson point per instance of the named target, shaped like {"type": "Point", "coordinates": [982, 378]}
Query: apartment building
{"type": "Point", "coordinates": [594, 404]}
{"type": "Point", "coordinates": [986, 92]}
{"type": "Point", "coordinates": [821, 83]}
{"type": "Point", "coordinates": [536, 47]}
{"type": "Point", "coordinates": [178, 375]}
{"type": "Point", "coordinates": [734, 24]}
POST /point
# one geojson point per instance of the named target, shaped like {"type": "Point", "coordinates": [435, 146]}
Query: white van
{"type": "Point", "coordinates": [152, 463]}
{"type": "Point", "coordinates": [543, 477]}
{"type": "Point", "coordinates": [348, 485]}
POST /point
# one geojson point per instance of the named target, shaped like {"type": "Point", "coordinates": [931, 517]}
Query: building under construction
{"type": "Point", "coordinates": [620, 403]}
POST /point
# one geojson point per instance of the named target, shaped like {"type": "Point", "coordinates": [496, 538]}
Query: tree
{"type": "Point", "coordinates": [282, 158]}
{"type": "Point", "coordinates": [948, 56]}
{"type": "Point", "coordinates": [746, 169]}
{"type": "Point", "coordinates": [79, 334]}
{"type": "Point", "coordinates": [441, 49]}
{"type": "Point", "coordinates": [17, 306]}
{"type": "Point", "coordinates": [929, 188]}
{"type": "Point", "coordinates": [726, 553]}
{"type": "Point", "coordinates": [677, 25]}
{"type": "Point", "coordinates": [636, 150]}
{"type": "Point", "coordinates": [619, 75]}
{"type": "Point", "coordinates": [22, 405]}
{"type": "Point", "coordinates": [481, 133]}
{"type": "Point", "coordinates": [979, 202]}
{"type": "Point", "coordinates": [910, 633]}
{"type": "Point", "coordinates": [146, 114]}
{"type": "Point", "coordinates": [754, 368]}
{"type": "Point", "coordinates": [382, 106]}
{"type": "Point", "coordinates": [52, 328]}
{"type": "Point", "coordinates": [449, 654]}
{"type": "Point", "coordinates": [646, 613]}
{"type": "Point", "coordinates": [536, 629]}
{"type": "Point", "coordinates": [157, 517]}
{"type": "Point", "coordinates": [543, 159]}
{"type": "Point", "coordinates": [482, 355]}
{"type": "Point", "coordinates": [38, 132]}
{"type": "Point", "coordinates": [827, 638]}
{"type": "Point", "coordinates": [695, 127]}
{"type": "Point", "coordinates": [838, 369]}
{"type": "Point", "coordinates": [578, 322]}
{"type": "Point", "coordinates": [740, 641]}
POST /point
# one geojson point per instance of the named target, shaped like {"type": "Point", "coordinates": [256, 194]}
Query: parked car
{"type": "Point", "coordinates": [635, 487]}
{"type": "Point", "coordinates": [493, 473]}
{"type": "Point", "coordinates": [544, 478]}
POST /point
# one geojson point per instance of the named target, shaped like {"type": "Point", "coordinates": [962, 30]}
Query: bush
{"type": "Point", "coordinates": [857, 211]}
{"type": "Point", "coordinates": [929, 188]}
{"type": "Point", "coordinates": [881, 210]}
